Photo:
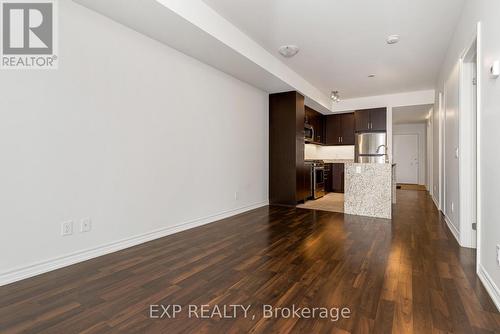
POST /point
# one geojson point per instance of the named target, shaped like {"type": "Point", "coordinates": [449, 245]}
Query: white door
{"type": "Point", "coordinates": [406, 157]}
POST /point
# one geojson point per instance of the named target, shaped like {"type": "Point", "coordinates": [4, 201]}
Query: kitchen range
{"type": "Point", "coordinates": [317, 176]}
{"type": "Point", "coordinates": [335, 162]}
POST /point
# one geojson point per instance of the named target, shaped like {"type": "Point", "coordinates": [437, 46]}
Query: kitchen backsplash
{"type": "Point", "coordinates": [317, 152]}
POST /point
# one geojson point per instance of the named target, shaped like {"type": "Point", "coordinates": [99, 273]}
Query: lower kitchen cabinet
{"type": "Point", "coordinates": [328, 178]}
{"type": "Point", "coordinates": [337, 178]}
{"type": "Point", "coordinates": [334, 178]}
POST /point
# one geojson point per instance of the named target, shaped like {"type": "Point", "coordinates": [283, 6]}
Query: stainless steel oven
{"type": "Point", "coordinates": [318, 179]}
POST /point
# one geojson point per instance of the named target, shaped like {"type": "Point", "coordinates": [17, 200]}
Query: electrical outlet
{"type": "Point", "coordinates": [236, 195]}
{"type": "Point", "coordinates": [358, 169]}
{"type": "Point", "coordinates": [85, 225]}
{"type": "Point", "coordinates": [452, 207]}
{"type": "Point", "coordinates": [498, 255]}
{"type": "Point", "coordinates": [67, 228]}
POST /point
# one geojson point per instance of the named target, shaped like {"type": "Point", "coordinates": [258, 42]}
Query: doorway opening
{"type": "Point", "coordinates": [410, 146]}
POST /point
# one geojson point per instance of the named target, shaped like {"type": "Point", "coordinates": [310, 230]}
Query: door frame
{"type": "Point", "coordinates": [418, 151]}
{"type": "Point", "coordinates": [469, 158]}
{"type": "Point", "coordinates": [442, 151]}
{"type": "Point", "coordinates": [430, 153]}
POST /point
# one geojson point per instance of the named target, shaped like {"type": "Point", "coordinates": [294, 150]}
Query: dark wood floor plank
{"type": "Point", "coordinates": [407, 275]}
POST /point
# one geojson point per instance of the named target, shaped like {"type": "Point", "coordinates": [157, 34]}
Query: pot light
{"type": "Point", "coordinates": [392, 39]}
{"type": "Point", "coordinates": [288, 51]}
{"type": "Point", "coordinates": [334, 95]}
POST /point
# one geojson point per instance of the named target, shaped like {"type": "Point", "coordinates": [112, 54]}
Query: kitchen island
{"type": "Point", "coordinates": [368, 189]}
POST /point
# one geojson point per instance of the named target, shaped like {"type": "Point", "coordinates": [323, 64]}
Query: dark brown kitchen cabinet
{"type": "Point", "coordinates": [328, 178]}
{"type": "Point", "coordinates": [339, 129]}
{"type": "Point", "coordinates": [371, 120]}
{"type": "Point", "coordinates": [288, 174]}
{"type": "Point", "coordinates": [348, 136]}
{"type": "Point", "coordinates": [337, 177]}
{"type": "Point", "coordinates": [379, 119]}
{"type": "Point", "coordinates": [362, 120]}
{"type": "Point", "coordinates": [334, 178]}
{"type": "Point", "coordinates": [333, 130]}
{"type": "Point", "coordinates": [316, 120]}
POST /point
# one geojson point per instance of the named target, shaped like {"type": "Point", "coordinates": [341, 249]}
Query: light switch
{"type": "Point", "coordinates": [495, 69]}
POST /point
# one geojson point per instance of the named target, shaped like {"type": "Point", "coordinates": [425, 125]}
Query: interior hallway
{"type": "Point", "coordinates": [408, 275]}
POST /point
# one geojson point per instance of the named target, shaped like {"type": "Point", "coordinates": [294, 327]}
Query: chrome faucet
{"type": "Point", "coordinates": [378, 148]}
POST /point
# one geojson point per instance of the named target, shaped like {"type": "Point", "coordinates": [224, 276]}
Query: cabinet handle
{"type": "Point", "coordinates": [341, 139]}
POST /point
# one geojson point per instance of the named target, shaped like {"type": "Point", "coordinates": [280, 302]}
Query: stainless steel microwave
{"type": "Point", "coordinates": [308, 132]}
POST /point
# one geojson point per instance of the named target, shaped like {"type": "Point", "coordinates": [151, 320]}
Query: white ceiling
{"type": "Point", "coordinates": [343, 41]}
{"type": "Point", "coordinates": [194, 28]}
{"type": "Point", "coordinates": [411, 114]}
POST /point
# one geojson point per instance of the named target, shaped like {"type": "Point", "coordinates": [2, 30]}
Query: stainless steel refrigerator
{"type": "Point", "coordinates": [371, 147]}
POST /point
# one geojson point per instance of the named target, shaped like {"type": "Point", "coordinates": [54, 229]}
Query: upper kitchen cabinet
{"type": "Point", "coordinates": [316, 121]}
{"type": "Point", "coordinates": [339, 129]}
{"type": "Point", "coordinates": [332, 130]}
{"type": "Point", "coordinates": [379, 119]}
{"type": "Point", "coordinates": [371, 120]}
{"type": "Point", "coordinates": [348, 137]}
{"type": "Point", "coordinates": [362, 120]}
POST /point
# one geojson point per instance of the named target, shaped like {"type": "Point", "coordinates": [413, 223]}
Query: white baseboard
{"type": "Point", "coordinates": [452, 228]}
{"type": "Point", "coordinates": [436, 203]}
{"type": "Point", "coordinates": [38, 268]}
{"type": "Point", "coordinates": [490, 286]}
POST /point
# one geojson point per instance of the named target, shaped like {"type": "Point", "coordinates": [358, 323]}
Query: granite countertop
{"type": "Point", "coordinates": [368, 190]}
{"type": "Point", "coordinates": [367, 163]}
{"type": "Point", "coordinates": [337, 161]}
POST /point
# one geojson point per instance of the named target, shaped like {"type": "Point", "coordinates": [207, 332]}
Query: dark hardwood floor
{"type": "Point", "coordinates": [401, 276]}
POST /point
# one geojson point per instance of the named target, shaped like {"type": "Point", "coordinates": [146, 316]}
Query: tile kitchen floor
{"type": "Point", "coordinates": [333, 202]}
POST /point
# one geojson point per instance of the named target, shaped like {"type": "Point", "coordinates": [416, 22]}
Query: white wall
{"type": "Point", "coordinates": [389, 100]}
{"type": "Point", "coordinates": [318, 152]}
{"type": "Point", "coordinates": [485, 11]}
{"type": "Point", "coordinates": [420, 130]}
{"type": "Point", "coordinates": [127, 131]}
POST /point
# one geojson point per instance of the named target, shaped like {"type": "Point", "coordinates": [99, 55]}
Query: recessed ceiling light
{"type": "Point", "coordinates": [371, 76]}
{"type": "Point", "coordinates": [392, 39]}
{"type": "Point", "coordinates": [288, 51]}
